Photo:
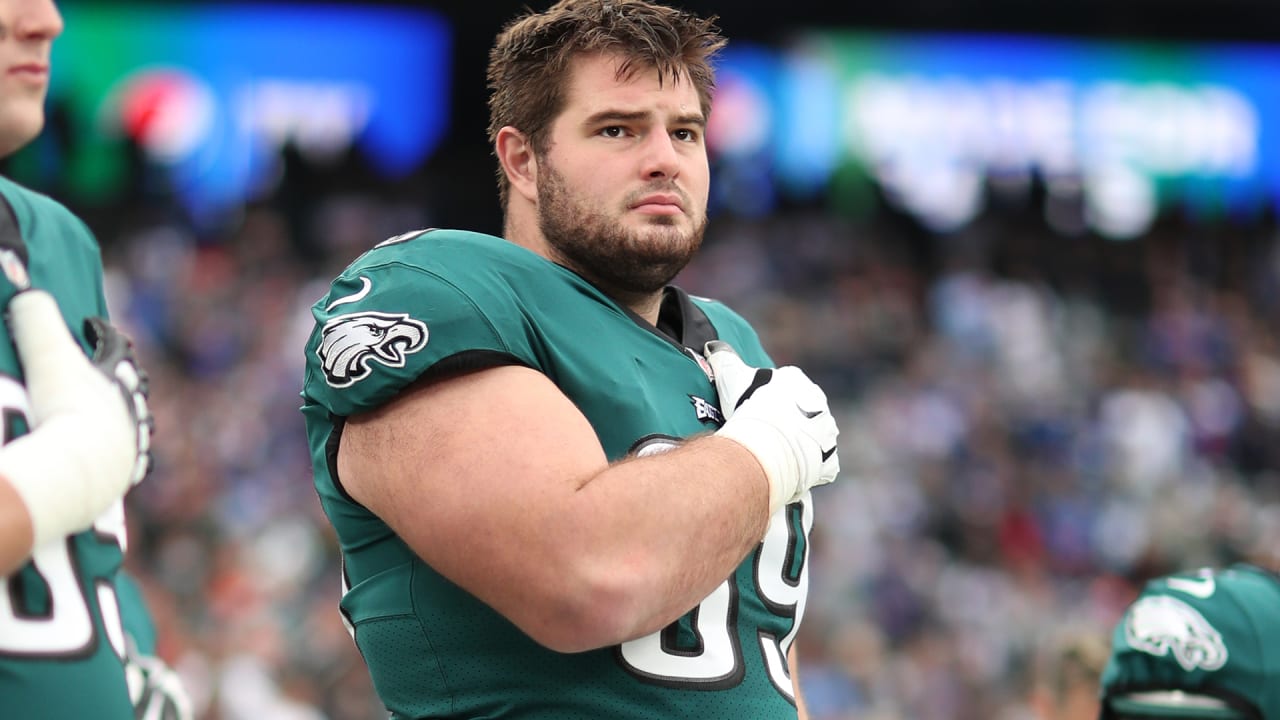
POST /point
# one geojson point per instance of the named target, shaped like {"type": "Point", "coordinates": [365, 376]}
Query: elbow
{"type": "Point", "coordinates": [587, 614]}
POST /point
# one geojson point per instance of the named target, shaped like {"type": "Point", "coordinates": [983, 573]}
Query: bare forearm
{"type": "Point", "coordinates": [15, 530]}
{"type": "Point", "coordinates": [668, 529]}
{"type": "Point", "coordinates": [802, 710]}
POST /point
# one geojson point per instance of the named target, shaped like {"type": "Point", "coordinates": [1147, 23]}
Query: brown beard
{"type": "Point", "coordinates": [615, 260]}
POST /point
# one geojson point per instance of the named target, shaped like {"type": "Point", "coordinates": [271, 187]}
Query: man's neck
{"type": "Point", "coordinates": [528, 236]}
{"type": "Point", "coordinates": [648, 306]}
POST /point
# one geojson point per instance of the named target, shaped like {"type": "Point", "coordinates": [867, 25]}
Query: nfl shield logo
{"type": "Point", "coordinates": [14, 269]}
{"type": "Point", "coordinates": [702, 363]}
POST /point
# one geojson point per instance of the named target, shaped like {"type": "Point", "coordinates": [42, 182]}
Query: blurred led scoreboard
{"type": "Point", "coordinates": [211, 93]}
{"type": "Point", "coordinates": [1131, 127]}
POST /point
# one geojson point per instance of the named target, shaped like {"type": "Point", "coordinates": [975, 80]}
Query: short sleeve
{"type": "Point", "coordinates": [380, 328]}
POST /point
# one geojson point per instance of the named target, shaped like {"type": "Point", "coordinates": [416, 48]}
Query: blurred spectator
{"type": "Point", "coordinates": [1068, 685]}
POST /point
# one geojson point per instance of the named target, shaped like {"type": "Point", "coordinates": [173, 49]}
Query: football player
{"type": "Point", "coordinates": [564, 488]}
{"type": "Point", "coordinates": [1198, 646]}
{"type": "Point", "coordinates": [76, 428]}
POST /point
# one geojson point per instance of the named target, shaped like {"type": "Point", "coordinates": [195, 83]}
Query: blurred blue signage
{"type": "Point", "coordinates": [1132, 126]}
{"type": "Point", "coordinates": [213, 92]}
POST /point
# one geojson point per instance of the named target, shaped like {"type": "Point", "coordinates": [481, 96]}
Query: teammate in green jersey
{"type": "Point", "coordinates": [75, 437]}
{"type": "Point", "coordinates": [1198, 646]}
{"type": "Point", "coordinates": [562, 487]}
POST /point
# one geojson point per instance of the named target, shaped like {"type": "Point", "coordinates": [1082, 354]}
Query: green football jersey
{"type": "Point", "coordinates": [60, 632]}
{"type": "Point", "coordinates": [1211, 633]}
{"type": "Point", "coordinates": [436, 302]}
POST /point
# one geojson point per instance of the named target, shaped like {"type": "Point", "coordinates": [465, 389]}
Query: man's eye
{"type": "Point", "coordinates": [685, 135]}
{"type": "Point", "coordinates": [613, 131]}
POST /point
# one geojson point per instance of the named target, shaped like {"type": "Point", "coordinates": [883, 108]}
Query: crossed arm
{"type": "Point", "coordinates": [91, 428]}
{"type": "Point", "coordinates": [16, 531]}
{"type": "Point", "coordinates": [498, 481]}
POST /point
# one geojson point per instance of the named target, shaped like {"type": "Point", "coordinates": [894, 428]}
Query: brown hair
{"type": "Point", "coordinates": [529, 62]}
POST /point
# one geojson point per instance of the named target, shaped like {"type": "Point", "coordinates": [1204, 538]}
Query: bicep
{"type": "Point", "coordinates": [471, 471]}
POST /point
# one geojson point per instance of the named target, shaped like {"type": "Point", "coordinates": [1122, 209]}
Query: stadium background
{"type": "Point", "coordinates": [1040, 409]}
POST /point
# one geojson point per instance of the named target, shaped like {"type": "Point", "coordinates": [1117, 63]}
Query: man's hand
{"type": "Point", "coordinates": [782, 417]}
{"type": "Point", "coordinates": [90, 425]}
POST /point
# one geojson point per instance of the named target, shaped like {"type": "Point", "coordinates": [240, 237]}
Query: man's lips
{"type": "Point", "coordinates": [665, 204]}
{"type": "Point", "coordinates": [35, 71]}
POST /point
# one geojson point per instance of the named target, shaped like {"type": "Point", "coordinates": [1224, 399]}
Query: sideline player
{"type": "Point", "coordinates": [1198, 646]}
{"type": "Point", "coordinates": [76, 433]}
{"type": "Point", "coordinates": [564, 488]}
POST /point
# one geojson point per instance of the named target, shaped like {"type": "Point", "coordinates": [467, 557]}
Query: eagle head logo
{"type": "Point", "coordinates": [1162, 625]}
{"type": "Point", "coordinates": [349, 343]}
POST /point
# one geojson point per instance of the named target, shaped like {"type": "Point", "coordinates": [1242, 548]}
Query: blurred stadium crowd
{"type": "Point", "coordinates": [1033, 424]}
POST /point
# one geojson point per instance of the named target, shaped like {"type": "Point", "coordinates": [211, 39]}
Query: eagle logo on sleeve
{"type": "Point", "coordinates": [349, 343]}
{"type": "Point", "coordinates": [1162, 625]}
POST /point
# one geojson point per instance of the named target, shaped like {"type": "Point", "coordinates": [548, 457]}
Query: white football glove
{"type": "Point", "coordinates": [90, 425]}
{"type": "Point", "coordinates": [782, 417]}
{"type": "Point", "coordinates": [155, 689]}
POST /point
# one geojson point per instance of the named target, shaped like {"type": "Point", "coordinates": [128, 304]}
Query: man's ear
{"type": "Point", "coordinates": [519, 162]}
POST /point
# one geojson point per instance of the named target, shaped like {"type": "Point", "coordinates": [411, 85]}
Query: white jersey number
{"type": "Point", "coordinates": [715, 660]}
{"type": "Point", "coordinates": [65, 625]}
